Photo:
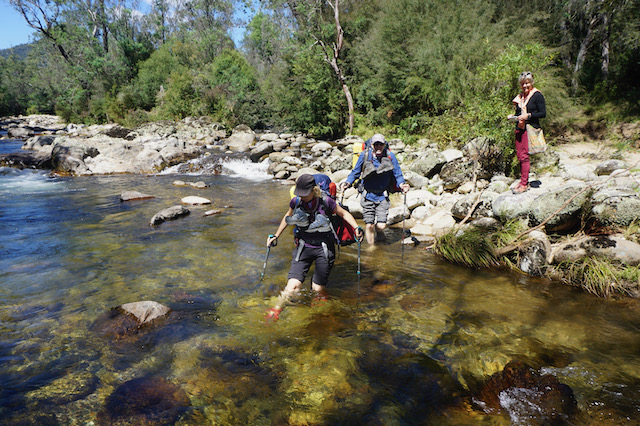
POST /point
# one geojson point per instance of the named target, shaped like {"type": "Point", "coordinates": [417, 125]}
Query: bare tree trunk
{"type": "Point", "coordinates": [333, 60]}
{"type": "Point", "coordinates": [605, 47]}
{"type": "Point", "coordinates": [582, 53]}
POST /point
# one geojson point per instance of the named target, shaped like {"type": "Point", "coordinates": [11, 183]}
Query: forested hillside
{"type": "Point", "coordinates": [442, 69]}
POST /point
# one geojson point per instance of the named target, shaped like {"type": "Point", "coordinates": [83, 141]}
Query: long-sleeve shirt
{"type": "Point", "coordinates": [536, 107]}
{"type": "Point", "coordinates": [376, 184]}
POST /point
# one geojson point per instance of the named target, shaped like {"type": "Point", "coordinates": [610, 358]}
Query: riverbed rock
{"type": "Point", "coordinates": [548, 203]}
{"type": "Point", "coordinates": [615, 206]}
{"type": "Point", "coordinates": [609, 247]}
{"type": "Point", "coordinates": [241, 139]}
{"type": "Point", "coordinates": [134, 195]}
{"type": "Point", "coordinates": [170, 213]}
{"type": "Point", "coordinates": [483, 208]}
{"type": "Point", "coordinates": [609, 166]}
{"type": "Point", "coordinates": [144, 401]}
{"type": "Point", "coordinates": [145, 311]}
{"type": "Point", "coordinates": [534, 255]}
{"type": "Point", "coordinates": [195, 201]}
{"type": "Point", "coordinates": [524, 393]}
{"type": "Point", "coordinates": [26, 160]}
{"type": "Point", "coordinates": [260, 150]}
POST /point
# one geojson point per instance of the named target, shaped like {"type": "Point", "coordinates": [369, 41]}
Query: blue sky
{"type": "Point", "coordinates": [13, 29]}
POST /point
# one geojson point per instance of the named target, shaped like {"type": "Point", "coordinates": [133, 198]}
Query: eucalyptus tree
{"type": "Point", "coordinates": [207, 24]}
{"type": "Point", "coordinates": [319, 24]}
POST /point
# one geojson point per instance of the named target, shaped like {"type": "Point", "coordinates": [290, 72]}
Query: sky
{"type": "Point", "coordinates": [13, 29]}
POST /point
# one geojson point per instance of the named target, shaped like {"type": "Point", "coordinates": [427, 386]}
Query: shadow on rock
{"type": "Point", "coordinates": [144, 401]}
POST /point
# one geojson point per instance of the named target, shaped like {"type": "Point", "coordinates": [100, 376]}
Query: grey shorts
{"type": "Point", "coordinates": [375, 212]}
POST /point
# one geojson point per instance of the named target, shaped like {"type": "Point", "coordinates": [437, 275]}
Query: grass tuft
{"type": "Point", "coordinates": [470, 247]}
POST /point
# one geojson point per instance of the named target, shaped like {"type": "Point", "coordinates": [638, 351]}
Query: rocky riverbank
{"type": "Point", "coordinates": [573, 191]}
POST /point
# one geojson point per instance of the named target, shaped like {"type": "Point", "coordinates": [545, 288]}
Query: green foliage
{"type": "Point", "coordinates": [232, 91]}
{"type": "Point", "coordinates": [154, 72]}
{"type": "Point", "coordinates": [178, 100]}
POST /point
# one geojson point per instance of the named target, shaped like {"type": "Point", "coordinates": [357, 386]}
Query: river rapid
{"type": "Point", "coordinates": [407, 341]}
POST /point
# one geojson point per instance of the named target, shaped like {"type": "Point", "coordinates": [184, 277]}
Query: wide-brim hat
{"type": "Point", "coordinates": [304, 185]}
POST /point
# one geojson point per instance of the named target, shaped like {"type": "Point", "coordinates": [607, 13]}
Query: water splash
{"type": "Point", "coordinates": [223, 164]}
{"type": "Point", "coordinates": [27, 182]}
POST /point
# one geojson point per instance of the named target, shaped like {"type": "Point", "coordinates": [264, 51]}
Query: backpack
{"type": "Point", "coordinates": [343, 233]}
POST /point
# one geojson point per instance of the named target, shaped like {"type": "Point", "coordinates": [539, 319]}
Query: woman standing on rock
{"type": "Point", "coordinates": [530, 108]}
{"type": "Point", "coordinates": [315, 240]}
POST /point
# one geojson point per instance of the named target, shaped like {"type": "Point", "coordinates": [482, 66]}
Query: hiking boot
{"type": "Point", "coordinates": [298, 218]}
{"type": "Point", "coordinates": [321, 224]}
{"type": "Point", "coordinates": [520, 189]}
{"type": "Point", "coordinates": [273, 315]}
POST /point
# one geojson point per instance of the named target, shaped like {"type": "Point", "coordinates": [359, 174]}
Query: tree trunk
{"type": "Point", "coordinates": [337, 47]}
{"type": "Point", "coordinates": [582, 53]}
{"type": "Point", "coordinates": [605, 47]}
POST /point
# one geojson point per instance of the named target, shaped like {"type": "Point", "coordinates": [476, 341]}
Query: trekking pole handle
{"type": "Point", "coordinates": [274, 242]}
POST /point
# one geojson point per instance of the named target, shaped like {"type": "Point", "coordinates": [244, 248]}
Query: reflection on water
{"type": "Point", "coordinates": [410, 348]}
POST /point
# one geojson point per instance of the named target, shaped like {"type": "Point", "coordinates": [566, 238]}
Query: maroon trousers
{"type": "Point", "coordinates": [522, 152]}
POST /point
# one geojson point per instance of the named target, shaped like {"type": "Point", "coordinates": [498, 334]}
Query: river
{"type": "Point", "coordinates": [406, 342]}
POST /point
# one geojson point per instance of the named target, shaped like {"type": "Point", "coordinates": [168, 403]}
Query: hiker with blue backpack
{"type": "Point", "coordinates": [315, 239]}
{"type": "Point", "coordinates": [380, 174]}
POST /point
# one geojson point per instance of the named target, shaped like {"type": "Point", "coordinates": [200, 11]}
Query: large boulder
{"type": "Point", "coordinates": [241, 139]}
{"type": "Point", "coordinates": [566, 215]}
{"type": "Point", "coordinates": [609, 247]}
{"type": "Point", "coordinates": [483, 209]}
{"type": "Point", "coordinates": [260, 150]}
{"type": "Point", "coordinates": [615, 206]}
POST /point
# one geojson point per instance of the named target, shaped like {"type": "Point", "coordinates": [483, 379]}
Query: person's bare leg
{"type": "Point", "coordinates": [380, 226]}
{"type": "Point", "coordinates": [370, 233]}
{"type": "Point", "coordinates": [292, 288]}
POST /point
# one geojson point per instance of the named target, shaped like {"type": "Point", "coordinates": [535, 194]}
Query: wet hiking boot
{"type": "Point", "coordinates": [298, 218]}
{"type": "Point", "coordinates": [272, 315]}
{"type": "Point", "coordinates": [321, 224]}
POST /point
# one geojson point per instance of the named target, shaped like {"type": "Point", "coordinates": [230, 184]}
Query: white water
{"type": "Point", "coordinates": [230, 166]}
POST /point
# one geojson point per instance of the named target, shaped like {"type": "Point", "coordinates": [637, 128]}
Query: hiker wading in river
{"type": "Point", "coordinates": [314, 239]}
{"type": "Point", "coordinates": [379, 173]}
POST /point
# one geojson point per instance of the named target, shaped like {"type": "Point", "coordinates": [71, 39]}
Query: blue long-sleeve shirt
{"type": "Point", "coordinates": [376, 184]}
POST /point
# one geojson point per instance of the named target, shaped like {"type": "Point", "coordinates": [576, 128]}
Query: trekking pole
{"type": "Point", "coordinates": [266, 258]}
{"type": "Point", "coordinates": [359, 243]}
{"type": "Point", "coordinates": [404, 206]}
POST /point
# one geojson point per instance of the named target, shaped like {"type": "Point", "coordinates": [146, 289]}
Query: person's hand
{"type": "Point", "coordinates": [272, 241]}
{"type": "Point", "coordinates": [405, 187]}
{"type": "Point", "coordinates": [359, 234]}
{"type": "Point", "coordinates": [344, 185]}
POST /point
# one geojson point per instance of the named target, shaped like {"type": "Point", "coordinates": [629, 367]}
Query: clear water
{"type": "Point", "coordinates": [404, 344]}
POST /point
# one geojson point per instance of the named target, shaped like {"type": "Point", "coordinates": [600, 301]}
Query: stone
{"type": "Point", "coordinates": [134, 195]}
{"type": "Point", "coordinates": [145, 311]}
{"type": "Point", "coordinates": [195, 201]}
{"type": "Point", "coordinates": [170, 213]}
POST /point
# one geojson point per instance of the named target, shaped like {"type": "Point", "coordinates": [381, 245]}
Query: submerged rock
{"type": "Point", "coordinates": [144, 401]}
{"type": "Point", "coordinates": [527, 396]}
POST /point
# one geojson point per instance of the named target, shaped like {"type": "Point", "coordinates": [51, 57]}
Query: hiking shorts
{"type": "Point", "coordinates": [300, 268]}
{"type": "Point", "coordinates": [373, 212]}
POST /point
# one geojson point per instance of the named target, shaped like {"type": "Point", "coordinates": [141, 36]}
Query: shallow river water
{"type": "Point", "coordinates": [409, 342]}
